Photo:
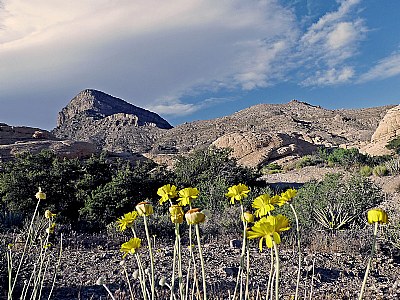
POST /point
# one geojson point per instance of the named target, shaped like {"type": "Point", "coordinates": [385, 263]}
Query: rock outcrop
{"type": "Point", "coordinates": [387, 130]}
{"type": "Point", "coordinates": [109, 122]}
{"type": "Point", "coordinates": [266, 132]}
{"type": "Point", "coordinates": [15, 140]}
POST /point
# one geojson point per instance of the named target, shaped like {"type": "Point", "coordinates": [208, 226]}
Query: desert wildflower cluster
{"type": "Point", "coordinates": [37, 249]}
{"type": "Point", "coordinates": [260, 222]}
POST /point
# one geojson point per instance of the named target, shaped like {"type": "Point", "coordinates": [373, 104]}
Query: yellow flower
{"type": "Point", "coordinates": [195, 216]}
{"type": "Point", "coordinates": [166, 192]}
{"type": "Point", "coordinates": [268, 229]}
{"type": "Point", "coordinates": [263, 204]}
{"type": "Point", "coordinates": [127, 220]}
{"type": "Point", "coordinates": [377, 216]}
{"type": "Point", "coordinates": [48, 214]}
{"type": "Point", "coordinates": [248, 217]}
{"type": "Point", "coordinates": [177, 214]}
{"type": "Point", "coordinates": [130, 246]}
{"type": "Point", "coordinates": [144, 209]}
{"type": "Point", "coordinates": [40, 195]}
{"type": "Point", "coordinates": [288, 195]}
{"type": "Point", "coordinates": [50, 229]}
{"type": "Point", "coordinates": [237, 192]}
{"type": "Point", "coordinates": [186, 196]}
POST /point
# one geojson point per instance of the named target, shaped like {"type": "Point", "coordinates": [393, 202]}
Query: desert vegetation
{"type": "Point", "coordinates": [162, 225]}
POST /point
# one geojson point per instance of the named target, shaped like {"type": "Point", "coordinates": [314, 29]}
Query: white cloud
{"type": "Point", "coordinates": [143, 50]}
{"type": "Point", "coordinates": [330, 77]}
{"type": "Point", "coordinates": [385, 68]}
{"type": "Point", "coordinates": [172, 107]}
{"type": "Point", "coordinates": [329, 42]}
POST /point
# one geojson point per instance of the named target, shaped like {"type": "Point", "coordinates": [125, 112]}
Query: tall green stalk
{"type": "Point", "coordinates": [203, 272]}
{"type": "Point", "coordinates": [10, 292]}
{"type": "Point", "coordinates": [277, 266]}
{"type": "Point", "coordinates": [298, 251]}
{"type": "Point", "coordinates": [369, 262]}
{"type": "Point", "coordinates": [151, 258]}
{"type": "Point", "coordinates": [242, 255]}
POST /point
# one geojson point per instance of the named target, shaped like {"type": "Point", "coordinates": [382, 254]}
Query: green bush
{"type": "Point", "coordinates": [337, 198]}
{"type": "Point", "coordinates": [346, 157]}
{"type": "Point", "coordinates": [366, 171]}
{"type": "Point", "coordinates": [308, 160]}
{"type": "Point", "coordinates": [271, 168]}
{"type": "Point", "coordinates": [380, 171]}
{"type": "Point", "coordinates": [86, 194]}
{"type": "Point", "coordinates": [212, 171]}
{"type": "Point", "coordinates": [394, 144]}
{"type": "Point", "coordinates": [393, 166]}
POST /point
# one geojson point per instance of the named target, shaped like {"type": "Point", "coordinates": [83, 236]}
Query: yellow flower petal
{"type": "Point", "coordinates": [377, 216]}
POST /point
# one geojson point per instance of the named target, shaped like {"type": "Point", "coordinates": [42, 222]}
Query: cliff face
{"type": "Point", "coordinates": [98, 105]}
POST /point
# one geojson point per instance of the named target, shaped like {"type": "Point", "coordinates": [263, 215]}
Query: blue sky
{"type": "Point", "coordinates": [196, 59]}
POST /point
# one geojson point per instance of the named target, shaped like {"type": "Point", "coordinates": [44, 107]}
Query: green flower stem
{"type": "Point", "coordinates": [151, 258]}
{"type": "Point", "coordinates": [129, 283]}
{"type": "Point", "coordinates": [276, 271]}
{"type": "Point", "coordinates": [194, 265]}
{"type": "Point", "coordinates": [10, 292]}
{"type": "Point", "coordinates": [246, 293]}
{"type": "Point", "coordinates": [242, 254]}
{"type": "Point", "coordinates": [109, 292]}
{"type": "Point", "coordinates": [173, 265]}
{"type": "Point", "coordinates": [271, 270]}
{"type": "Point", "coordinates": [298, 251]}
{"type": "Point", "coordinates": [180, 275]}
{"type": "Point", "coordinates": [203, 272]}
{"type": "Point", "coordinates": [57, 266]}
{"type": "Point", "coordinates": [142, 279]}
{"type": "Point", "coordinates": [369, 262]}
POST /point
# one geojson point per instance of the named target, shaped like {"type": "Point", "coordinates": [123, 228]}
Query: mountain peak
{"type": "Point", "coordinates": [98, 105]}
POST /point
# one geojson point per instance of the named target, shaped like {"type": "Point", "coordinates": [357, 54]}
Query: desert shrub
{"type": "Point", "coordinates": [336, 198]}
{"type": "Point", "coordinates": [271, 168]}
{"type": "Point", "coordinates": [380, 170]}
{"type": "Point", "coordinates": [212, 171]}
{"type": "Point", "coordinates": [346, 157]}
{"type": "Point", "coordinates": [393, 166]}
{"type": "Point", "coordinates": [309, 160]}
{"type": "Point", "coordinates": [365, 171]}
{"type": "Point", "coordinates": [85, 193]}
{"type": "Point", "coordinates": [394, 144]}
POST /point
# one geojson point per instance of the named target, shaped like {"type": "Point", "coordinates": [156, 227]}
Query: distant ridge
{"type": "Point", "coordinates": [98, 105]}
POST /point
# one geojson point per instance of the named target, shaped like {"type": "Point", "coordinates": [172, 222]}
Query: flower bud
{"type": "Point", "coordinates": [101, 280]}
{"type": "Point", "coordinates": [51, 228]}
{"type": "Point", "coordinates": [248, 217]}
{"type": "Point", "coordinates": [48, 214]}
{"type": "Point", "coordinates": [195, 216]}
{"type": "Point", "coordinates": [144, 209]}
{"type": "Point", "coordinates": [122, 263]}
{"type": "Point", "coordinates": [40, 195]}
{"type": "Point", "coordinates": [177, 214]}
{"type": "Point", "coordinates": [162, 281]}
{"type": "Point", "coordinates": [135, 274]}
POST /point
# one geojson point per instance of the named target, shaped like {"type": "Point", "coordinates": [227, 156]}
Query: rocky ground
{"type": "Point", "coordinates": [333, 266]}
{"type": "Point", "coordinates": [334, 273]}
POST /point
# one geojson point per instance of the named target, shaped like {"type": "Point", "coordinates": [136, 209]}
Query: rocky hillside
{"type": "Point", "coordinates": [18, 139]}
{"type": "Point", "coordinates": [109, 122]}
{"type": "Point", "coordinates": [266, 132]}
{"type": "Point", "coordinates": [258, 135]}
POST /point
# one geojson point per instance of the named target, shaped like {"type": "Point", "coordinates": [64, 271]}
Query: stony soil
{"type": "Point", "coordinates": [332, 265]}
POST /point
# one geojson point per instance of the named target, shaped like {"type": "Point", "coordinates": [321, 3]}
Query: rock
{"type": "Point", "coordinates": [235, 244]}
{"type": "Point", "coordinates": [67, 148]}
{"type": "Point", "coordinates": [13, 134]}
{"type": "Point", "coordinates": [231, 271]}
{"type": "Point", "coordinates": [388, 129]}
